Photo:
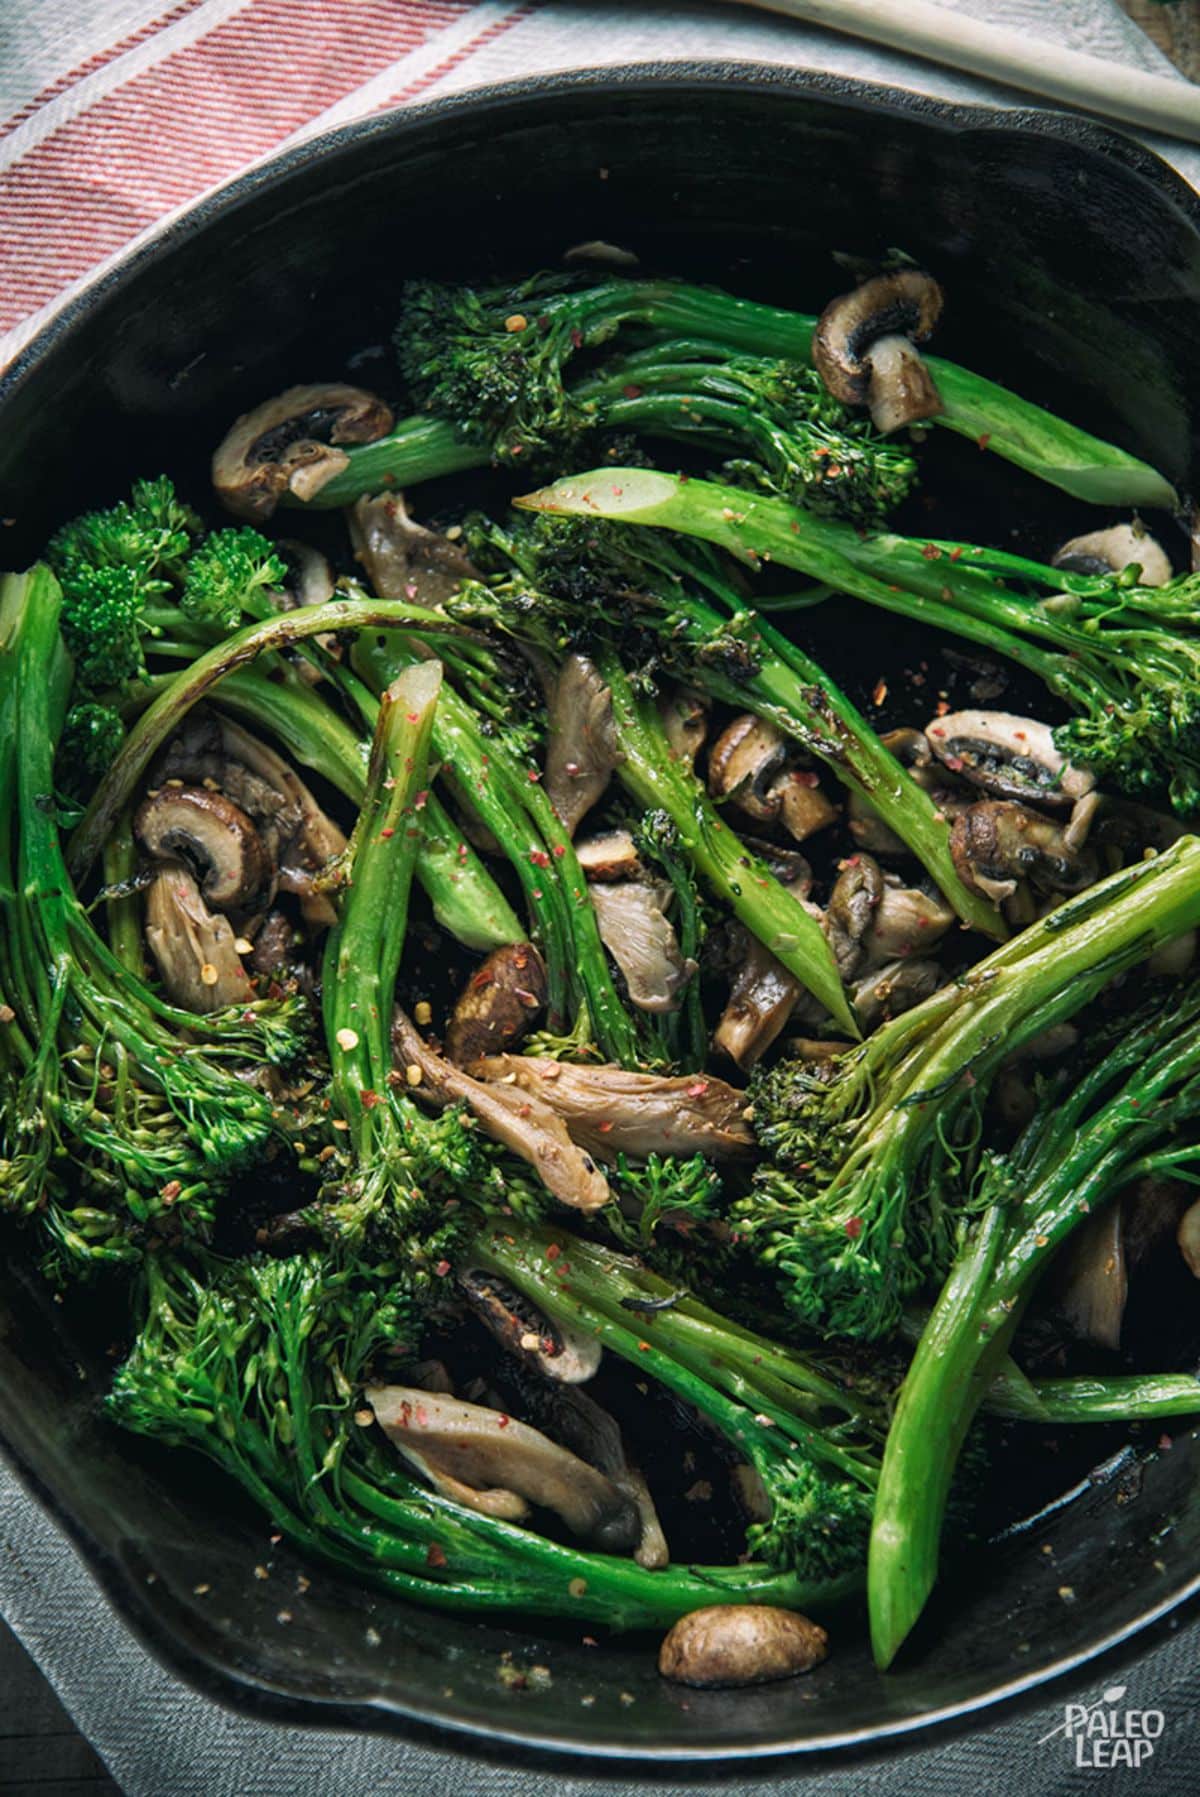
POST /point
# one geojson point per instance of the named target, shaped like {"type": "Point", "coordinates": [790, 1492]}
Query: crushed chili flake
{"type": "Point", "coordinates": [368, 1098]}
{"type": "Point", "coordinates": [442, 1268]}
{"type": "Point", "coordinates": [435, 1555]}
{"type": "Point", "coordinates": [170, 1191]}
{"type": "Point", "coordinates": [931, 552]}
{"type": "Point", "coordinates": [632, 392]}
{"type": "Point", "coordinates": [539, 857]}
{"type": "Point", "coordinates": [553, 1251]}
{"type": "Point", "coordinates": [956, 555]}
{"type": "Point", "coordinates": [984, 440]}
{"type": "Point", "coordinates": [880, 693]}
{"type": "Point", "coordinates": [854, 1227]}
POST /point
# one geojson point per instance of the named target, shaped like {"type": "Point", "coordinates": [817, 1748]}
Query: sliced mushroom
{"type": "Point", "coordinates": [761, 1001]}
{"type": "Point", "coordinates": [1113, 550]}
{"type": "Point", "coordinates": [743, 764]}
{"type": "Point", "coordinates": [193, 947]}
{"type": "Point", "coordinates": [906, 921]}
{"type": "Point", "coordinates": [863, 347]}
{"type": "Point", "coordinates": [611, 856]}
{"type": "Point", "coordinates": [310, 575]}
{"type": "Point", "coordinates": [403, 559]}
{"type": "Point", "coordinates": [273, 944]}
{"type": "Point", "coordinates": [997, 843]}
{"type": "Point", "coordinates": [789, 866]}
{"type": "Point", "coordinates": [574, 1419]}
{"type": "Point", "coordinates": [887, 991]}
{"type": "Point", "coordinates": [803, 807]}
{"type": "Point", "coordinates": [498, 1005]}
{"type": "Point", "coordinates": [856, 896]}
{"type": "Point", "coordinates": [212, 835]}
{"type": "Point", "coordinates": [581, 745]}
{"type": "Point", "coordinates": [520, 1120]}
{"type": "Point", "coordinates": [569, 1356]}
{"type": "Point", "coordinates": [1010, 757]}
{"type": "Point", "coordinates": [486, 1450]}
{"type": "Point", "coordinates": [289, 444]}
{"type": "Point", "coordinates": [640, 938]}
{"type": "Point", "coordinates": [685, 720]}
{"type": "Point", "coordinates": [1092, 1279]}
{"type": "Point", "coordinates": [610, 1111]}
{"type": "Point", "coordinates": [1189, 1238]}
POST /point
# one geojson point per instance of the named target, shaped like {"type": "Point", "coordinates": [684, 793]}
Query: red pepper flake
{"type": "Point", "coordinates": [632, 392]}
{"type": "Point", "coordinates": [854, 1227]}
{"type": "Point", "coordinates": [697, 1089]}
{"type": "Point", "coordinates": [442, 1268]}
{"type": "Point", "coordinates": [577, 338]}
{"type": "Point", "coordinates": [644, 1348]}
{"type": "Point", "coordinates": [503, 1421]}
{"type": "Point", "coordinates": [931, 552]}
{"type": "Point", "coordinates": [539, 857]}
{"type": "Point", "coordinates": [533, 776]}
{"type": "Point", "coordinates": [604, 1127]}
{"type": "Point", "coordinates": [1165, 1442]}
{"type": "Point", "coordinates": [421, 799]}
{"type": "Point", "coordinates": [414, 717]}
{"type": "Point", "coordinates": [956, 555]}
{"type": "Point", "coordinates": [553, 1251]}
{"type": "Point", "coordinates": [804, 777]}
{"type": "Point", "coordinates": [880, 693]}
{"type": "Point", "coordinates": [984, 440]}
{"type": "Point", "coordinates": [386, 835]}
{"type": "Point", "coordinates": [170, 1191]}
{"type": "Point", "coordinates": [435, 1555]}
{"type": "Point", "coordinates": [560, 849]}
{"type": "Point", "coordinates": [369, 1098]}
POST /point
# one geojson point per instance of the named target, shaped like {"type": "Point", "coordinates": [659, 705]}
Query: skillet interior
{"type": "Point", "coordinates": [1072, 262]}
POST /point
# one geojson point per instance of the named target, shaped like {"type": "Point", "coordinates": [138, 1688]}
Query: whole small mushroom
{"type": "Point", "coordinates": [864, 347]}
{"type": "Point", "coordinates": [751, 766]}
{"type": "Point", "coordinates": [740, 1644]}
{"type": "Point", "coordinates": [212, 835]}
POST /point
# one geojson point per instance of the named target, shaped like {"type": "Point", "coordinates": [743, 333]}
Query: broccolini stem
{"type": "Point", "coordinates": [466, 901]}
{"type": "Point", "coordinates": [416, 449]}
{"type": "Point", "coordinates": [769, 911]}
{"type": "Point", "coordinates": [1121, 1398]}
{"type": "Point", "coordinates": [124, 924]}
{"type": "Point", "coordinates": [1077, 1154]}
{"type": "Point", "coordinates": [167, 710]}
{"type": "Point", "coordinates": [362, 958]}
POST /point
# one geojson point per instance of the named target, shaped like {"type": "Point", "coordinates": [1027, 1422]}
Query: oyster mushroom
{"type": "Point", "coordinates": [193, 947]}
{"type": "Point", "coordinates": [640, 938]}
{"type": "Point", "coordinates": [1010, 757]}
{"type": "Point", "coordinates": [486, 1451]}
{"type": "Point", "coordinates": [581, 744]}
{"type": "Point", "coordinates": [610, 1111]}
{"type": "Point", "coordinates": [906, 921]}
{"type": "Point", "coordinates": [685, 720]}
{"type": "Point", "coordinates": [856, 896]}
{"type": "Point", "coordinates": [212, 835]}
{"type": "Point", "coordinates": [568, 1356]}
{"type": "Point", "coordinates": [498, 1004]}
{"type": "Point", "coordinates": [520, 1120]}
{"type": "Point", "coordinates": [996, 844]}
{"type": "Point", "coordinates": [1113, 550]}
{"type": "Point", "coordinates": [403, 559]}
{"type": "Point", "coordinates": [610, 856]}
{"type": "Point", "coordinates": [864, 347]}
{"type": "Point", "coordinates": [289, 444]}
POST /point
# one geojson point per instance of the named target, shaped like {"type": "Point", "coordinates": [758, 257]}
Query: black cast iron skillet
{"type": "Point", "coordinates": [1072, 261]}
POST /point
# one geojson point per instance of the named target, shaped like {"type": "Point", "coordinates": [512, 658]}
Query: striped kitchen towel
{"type": "Point", "coordinates": [118, 113]}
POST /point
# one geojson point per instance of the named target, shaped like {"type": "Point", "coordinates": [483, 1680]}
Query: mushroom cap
{"type": "Point", "coordinates": [211, 834]}
{"type": "Point", "coordinates": [905, 303]}
{"type": "Point", "coordinates": [288, 444]}
{"type": "Point", "coordinates": [1010, 756]}
{"type": "Point", "coordinates": [744, 762]}
{"type": "Point", "coordinates": [1113, 550]}
{"type": "Point", "coordinates": [740, 1644]}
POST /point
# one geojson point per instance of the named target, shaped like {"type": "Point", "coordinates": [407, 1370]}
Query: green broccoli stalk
{"type": "Point", "coordinates": [1122, 656]}
{"type": "Point", "coordinates": [125, 1113]}
{"type": "Point", "coordinates": [506, 796]}
{"type": "Point", "coordinates": [492, 367]}
{"type": "Point", "coordinates": [260, 1365]}
{"type": "Point", "coordinates": [1131, 1112]}
{"type": "Point", "coordinates": [860, 1203]}
{"type": "Point", "coordinates": [575, 578]}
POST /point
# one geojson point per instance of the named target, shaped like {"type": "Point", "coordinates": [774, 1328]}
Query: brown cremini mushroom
{"type": "Point", "coordinates": [997, 843]}
{"type": "Point", "coordinates": [289, 444]}
{"type": "Point", "coordinates": [1008, 756]}
{"type": "Point", "coordinates": [498, 1005]}
{"type": "Point", "coordinates": [863, 347]}
{"type": "Point", "coordinates": [740, 1644]}
{"type": "Point", "coordinates": [751, 766]}
{"type": "Point", "coordinates": [213, 836]}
